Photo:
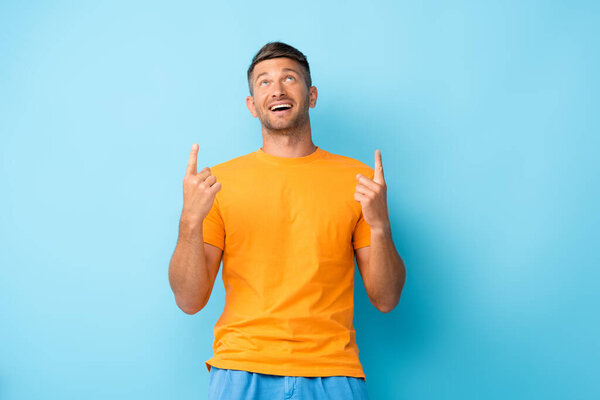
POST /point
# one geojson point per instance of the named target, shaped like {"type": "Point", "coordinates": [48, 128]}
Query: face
{"type": "Point", "coordinates": [281, 98]}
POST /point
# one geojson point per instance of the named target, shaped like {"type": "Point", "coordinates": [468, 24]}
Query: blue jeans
{"type": "Point", "coordinates": [232, 384]}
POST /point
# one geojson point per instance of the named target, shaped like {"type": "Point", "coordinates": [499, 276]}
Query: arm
{"type": "Point", "coordinates": [194, 265]}
{"type": "Point", "coordinates": [382, 270]}
{"type": "Point", "coordinates": [380, 266]}
{"type": "Point", "coordinates": [193, 269]}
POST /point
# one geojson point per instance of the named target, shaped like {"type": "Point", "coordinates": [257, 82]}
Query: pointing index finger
{"type": "Point", "coordinates": [191, 167]}
{"type": "Point", "coordinates": [378, 177]}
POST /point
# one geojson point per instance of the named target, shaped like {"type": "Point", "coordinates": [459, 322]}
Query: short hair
{"type": "Point", "coordinates": [277, 50]}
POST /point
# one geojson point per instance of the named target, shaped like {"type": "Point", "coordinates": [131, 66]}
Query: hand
{"type": "Point", "coordinates": [371, 193]}
{"type": "Point", "coordinates": [199, 190]}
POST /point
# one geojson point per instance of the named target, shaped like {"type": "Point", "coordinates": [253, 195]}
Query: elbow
{"type": "Point", "coordinates": [386, 308]}
{"type": "Point", "coordinates": [190, 303]}
{"type": "Point", "coordinates": [383, 306]}
{"type": "Point", "coordinates": [389, 305]}
{"type": "Point", "coordinates": [190, 308]}
{"type": "Point", "coordinates": [386, 300]}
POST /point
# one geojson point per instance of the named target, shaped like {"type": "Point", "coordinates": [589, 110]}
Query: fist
{"type": "Point", "coordinates": [199, 190]}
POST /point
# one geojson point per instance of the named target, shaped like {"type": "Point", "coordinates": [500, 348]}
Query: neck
{"type": "Point", "coordinates": [295, 142]}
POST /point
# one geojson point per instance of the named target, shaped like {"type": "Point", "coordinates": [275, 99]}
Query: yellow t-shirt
{"type": "Point", "coordinates": [288, 228]}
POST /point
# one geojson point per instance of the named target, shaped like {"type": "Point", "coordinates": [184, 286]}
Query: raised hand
{"type": "Point", "coordinates": [371, 193]}
{"type": "Point", "coordinates": [199, 190]}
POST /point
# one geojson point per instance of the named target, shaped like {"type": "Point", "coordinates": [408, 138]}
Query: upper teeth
{"type": "Point", "coordinates": [280, 106]}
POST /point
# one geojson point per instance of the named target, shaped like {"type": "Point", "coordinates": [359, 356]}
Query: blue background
{"type": "Point", "coordinates": [486, 114]}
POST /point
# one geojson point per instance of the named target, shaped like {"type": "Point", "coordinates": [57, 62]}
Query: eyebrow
{"type": "Point", "coordinates": [285, 69]}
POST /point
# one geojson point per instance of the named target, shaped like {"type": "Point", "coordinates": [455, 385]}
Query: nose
{"type": "Point", "coordinates": [278, 90]}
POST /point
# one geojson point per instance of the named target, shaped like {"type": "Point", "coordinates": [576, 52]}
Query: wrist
{"type": "Point", "coordinates": [382, 230]}
{"type": "Point", "coordinates": [190, 225]}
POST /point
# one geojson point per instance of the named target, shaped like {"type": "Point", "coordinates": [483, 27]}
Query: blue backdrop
{"type": "Point", "coordinates": [486, 114]}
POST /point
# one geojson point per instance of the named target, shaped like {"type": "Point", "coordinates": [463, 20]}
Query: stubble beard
{"type": "Point", "coordinates": [293, 128]}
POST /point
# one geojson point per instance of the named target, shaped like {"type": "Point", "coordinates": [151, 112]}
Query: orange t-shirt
{"type": "Point", "coordinates": [288, 228]}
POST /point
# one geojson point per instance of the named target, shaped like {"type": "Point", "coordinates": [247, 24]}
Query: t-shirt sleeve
{"type": "Point", "coordinates": [213, 227]}
{"type": "Point", "coordinates": [362, 233]}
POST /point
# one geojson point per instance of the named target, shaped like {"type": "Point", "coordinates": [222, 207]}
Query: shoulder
{"type": "Point", "coordinates": [232, 165]}
{"type": "Point", "coordinates": [348, 162]}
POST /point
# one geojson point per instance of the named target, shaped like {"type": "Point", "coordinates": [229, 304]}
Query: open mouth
{"type": "Point", "coordinates": [281, 108]}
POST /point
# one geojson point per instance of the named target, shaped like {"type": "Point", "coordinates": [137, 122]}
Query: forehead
{"type": "Point", "coordinates": [275, 65]}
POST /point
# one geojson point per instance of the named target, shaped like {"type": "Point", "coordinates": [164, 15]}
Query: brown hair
{"type": "Point", "coordinates": [276, 50]}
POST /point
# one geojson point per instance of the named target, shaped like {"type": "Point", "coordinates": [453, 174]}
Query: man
{"type": "Point", "coordinates": [287, 225]}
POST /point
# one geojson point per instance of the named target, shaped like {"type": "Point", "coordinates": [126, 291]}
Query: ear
{"type": "Point", "coordinates": [250, 105]}
{"type": "Point", "coordinates": [312, 96]}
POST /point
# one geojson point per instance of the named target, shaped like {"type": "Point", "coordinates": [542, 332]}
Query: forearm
{"type": "Point", "coordinates": [388, 270]}
{"type": "Point", "coordinates": [188, 273]}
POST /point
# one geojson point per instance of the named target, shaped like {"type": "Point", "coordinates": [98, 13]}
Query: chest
{"type": "Point", "coordinates": [280, 204]}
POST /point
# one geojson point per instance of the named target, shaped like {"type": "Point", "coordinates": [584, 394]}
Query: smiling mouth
{"type": "Point", "coordinates": [280, 108]}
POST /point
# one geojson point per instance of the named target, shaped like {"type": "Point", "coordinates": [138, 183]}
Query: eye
{"type": "Point", "coordinates": [289, 76]}
{"type": "Point", "coordinates": [262, 82]}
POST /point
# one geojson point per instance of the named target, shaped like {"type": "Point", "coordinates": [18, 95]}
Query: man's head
{"type": "Point", "coordinates": [281, 90]}
{"type": "Point", "coordinates": [276, 50]}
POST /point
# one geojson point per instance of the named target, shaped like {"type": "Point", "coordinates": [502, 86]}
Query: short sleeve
{"type": "Point", "coordinates": [213, 228]}
{"type": "Point", "coordinates": [361, 236]}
